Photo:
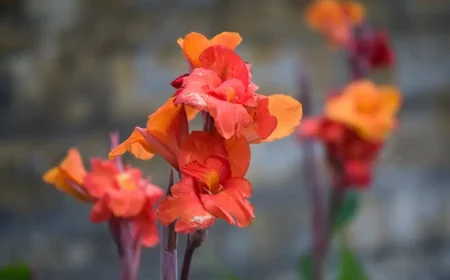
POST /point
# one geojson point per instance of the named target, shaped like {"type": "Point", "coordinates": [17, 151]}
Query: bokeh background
{"type": "Point", "coordinates": [71, 70]}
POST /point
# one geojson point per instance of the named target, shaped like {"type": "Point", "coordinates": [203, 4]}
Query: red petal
{"type": "Point", "coordinates": [146, 228]}
{"type": "Point", "coordinates": [124, 203]}
{"type": "Point", "coordinates": [199, 146]}
{"type": "Point", "coordinates": [230, 204]}
{"type": "Point", "coordinates": [358, 173]}
{"type": "Point", "coordinates": [100, 212]}
{"type": "Point", "coordinates": [178, 82]}
{"type": "Point", "coordinates": [101, 178]}
{"type": "Point", "coordinates": [238, 155]}
{"type": "Point", "coordinates": [226, 63]}
{"type": "Point", "coordinates": [229, 119]}
{"type": "Point", "coordinates": [212, 173]}
{"type": "Point", "coordinates": [264, 122]}
{"type": "Point", "coordinates": [185, 205]}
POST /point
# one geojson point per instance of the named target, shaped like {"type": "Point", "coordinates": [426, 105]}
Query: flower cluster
{"type": "Point", "coordinates": [115, 192]}
{"type": "Point", "coordinates": [212, 163]}
{"type": "Point", "coordinates": [353, 127]}
{"type": "Point", "coordinates": [342, 23]}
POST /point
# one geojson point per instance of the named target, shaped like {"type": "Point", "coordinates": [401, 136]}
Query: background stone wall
{"type": "Point", "coordinates": [71, 70]}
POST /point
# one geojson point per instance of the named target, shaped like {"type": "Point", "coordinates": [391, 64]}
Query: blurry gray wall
{"type": "Point", "coordinates": [71, 70]}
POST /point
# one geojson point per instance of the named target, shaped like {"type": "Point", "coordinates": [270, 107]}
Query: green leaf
{"type": "Point", "coordinates": [306, 267]}
{"type": "Point", "coordinates": [347, 212]}
{"type": "Point", "coordinates": [351, 268]}
{"type": "Point", "coordinates": [15, 272]}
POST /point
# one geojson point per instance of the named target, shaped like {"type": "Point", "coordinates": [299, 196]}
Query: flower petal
{"type": "Point", "coordinates": [238, 155]}
{"type": "Point", "coordinates": [226, 63]}
{"type": "Point", "coordinates": [228, 39]}
{"type": "Point", "coordinates": [146, 228]}
{"type": "Point", "coordinates": [100, 212]}
{"type": "Point", "coordinates": [199, 146]}
{"type": "Point", "coordinates": [69, 176]}
{"type": "Point", "coordinates": [193, 45]}
{"type": "Point", "coordinates": [263, 120]}
{"type": "Point", "coordinates": [101, 177]}
{"type": "Point", "coordinates": [230, 204]}
{"type": "Point", "coordinates": [229, 118]}
{"type": "Point", "coordinates": [185, 205]}
{"type": "Point", "coordinates": [214, 171]}
{"type": "Point", "coordinates": [135, 144]}
{"type": "Point", "coordinates": [288, 113]}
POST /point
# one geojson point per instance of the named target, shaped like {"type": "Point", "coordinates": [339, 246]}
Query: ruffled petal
{"type": "Point", "coordinates": [229, 118]}
{"type": "Point", "coordinates": [185, 206]}
{"type": "Point", "coordinates": [145, 227]}
{"type": "Point", "coordinates": [100, 212]}
{"type": "Point", "coordinates": [263, 120]}
{"type": "Point", "coordinates": [199, 146]}
{"type": "Point", "coordinates": [226, 63]}
{"type": "Point", "coordinates": [231, 204]}
{"type": "Point", "coordinates": [238, 155]}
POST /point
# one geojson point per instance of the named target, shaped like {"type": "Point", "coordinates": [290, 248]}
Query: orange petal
{"type": "Point", "coordinates": [135, 144]}
{"type": "Point", "coordinates": [228, 39]}
{"type": "Point", "coordinates": [355, 12]}
{"type": "Point", "coordinates": [238, 155]}
{"type": "Point", "coordinates": [199, 146]}
{"type": "Point", "coordinates": [69, 176]}
{"type": "Point", "coordinates": [311, 127]}
{"type": "Point", "coordinates": [185, 205]}
{"type": "Point", "coordinates": [229, 119]}
{"type": "Point", "coordinates": [390, 99]}
{"type": "Point", "coordinates": [193, 45]}
{"type": "Point", "coordinates": [230, 204]}
{"type": "Point", "coordinates": [288, 113]}
{"type": "Point", "coordinates": [190, 112]}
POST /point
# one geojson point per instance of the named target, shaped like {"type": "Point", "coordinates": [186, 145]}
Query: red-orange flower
{"type": "Point", "coordinates": [212, 185]}
{"type": "Point", "coordinates": [115, 193]}
{"type": "Point", "coordinates": [195, 43]}
{"type": "Point", "coordinates": [369, 109]}
{"type": "Point", "coordinates": [223, 87]}
{"type": "Point", "coordinates": [123, 194]}
{"type": "Point", "coordinates": [356, 155]}
{"type": "Point", "coordinates": [165, 131]}
{"type": "Point", "coordinates": [335, 18]}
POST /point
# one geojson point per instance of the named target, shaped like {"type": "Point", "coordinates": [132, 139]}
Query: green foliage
{"type": "Point", "coordinates": [347, 212]}
{"type": "Point", "coordinates": [351, 268]}
{"type": "Point", "coordinates": [15, 272]}
{"type": "Point", "coordinates": [306, 266]}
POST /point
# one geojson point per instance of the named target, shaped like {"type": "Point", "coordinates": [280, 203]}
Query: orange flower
{"type": "Point", "coordinates": [69, 175]}
{"type": "Point", "coordinates": [124, 194]}
{"type": "Point", "coordinates": [367, 108]}
{"type": "Point", "coordinates": [222, 86]}
{"type": "Point", "coordinates": [334, 18]}
{"type": "Point", "coordinates": [195, 43]}
{"type": "Point", "coordinates": [213, 184]}
{"type": "Point", "coordinates": [114, 193]}
{"type": "Point", "coordinates": [166, 130]}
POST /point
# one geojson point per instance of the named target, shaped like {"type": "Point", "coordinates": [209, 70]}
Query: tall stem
{"type": "Point", "coordinates": [315, 194]}
{"type": "Point", "coordinates": [169, 267]}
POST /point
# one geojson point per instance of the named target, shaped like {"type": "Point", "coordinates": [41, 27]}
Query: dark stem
{"type": "Point", "coordinates": [194, 241]}
{"type": "Point", "coordinates": [315, 194]}
{"type": "Point", "coordinates": [169, 267]}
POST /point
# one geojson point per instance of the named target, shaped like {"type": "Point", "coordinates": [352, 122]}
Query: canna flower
{"type": "Point", "coordinates": [335, 19]}
{"type": "Point", "coordinates": [377, 49]}
{"type": "Point", "coordinates": [165, 131]}
{"type": "Point", "coordinates": [356, 155]}
{"type": "Point", "coordinates": [367, 108]}
{"type": "Point", "coordinates": [195, 43]}
{"type": "Point", "coordinates": [115, 194]}
{"type": "Point", "coordinates": [222, 86]}
{"type": "Point", "coordinates": [212, 185]}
